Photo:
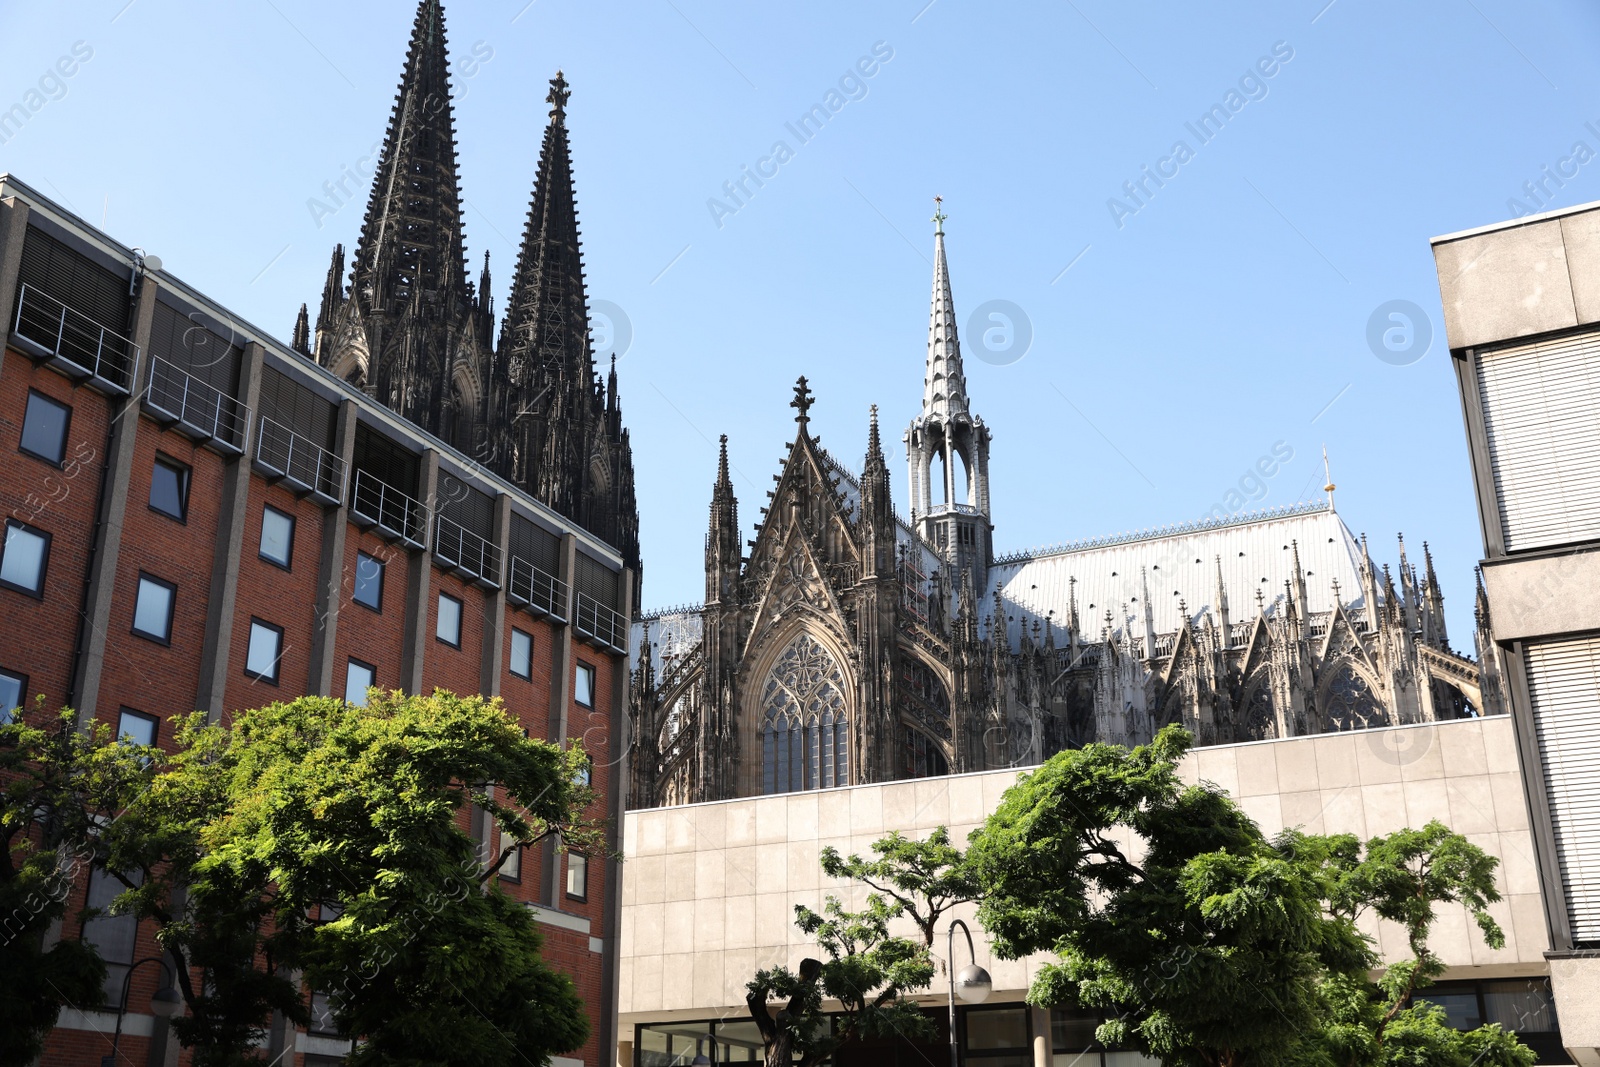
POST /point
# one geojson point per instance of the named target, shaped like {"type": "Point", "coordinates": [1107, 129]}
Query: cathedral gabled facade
{"type": "Point", "coordinates": [413, 331]}
{"type": "Point", "coordinates": [851, 645]}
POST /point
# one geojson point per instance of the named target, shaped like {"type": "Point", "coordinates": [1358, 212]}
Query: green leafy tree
{"type": "Point", "coordinates": [868, 972]}
{"type": "Point", "coordinates": [59, 785]}
{"type": "Point", "coordinates": [323, 839]}
{"type": "Point", "coordinates": [923, 878]}
{"type": "Point", "coordinates": [1207, 948]}
{"type": "Point", "coordinates": [1402, 877]}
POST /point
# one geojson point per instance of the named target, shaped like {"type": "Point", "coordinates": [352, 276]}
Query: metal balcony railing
{"type": "Point", "coordinates": [199, 409]}
{"type": "Point", "coordinates": [48, 329]}
{"type": "Point", "coordinates": [600, 624]}
{"type": "Point", "coordinates": [538, 591]}
{"type": "Point", "coordinates": [394, 514]}
{"type": "Point", "coordinates": [299, 462]}
{"type": "Point", "coordinates": [457, 548]}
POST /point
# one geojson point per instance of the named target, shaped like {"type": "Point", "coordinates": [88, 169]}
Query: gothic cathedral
{"type": "Point", "coordinates": [851, 645]}
{"type": "Point", "coordinates": [413, 331]}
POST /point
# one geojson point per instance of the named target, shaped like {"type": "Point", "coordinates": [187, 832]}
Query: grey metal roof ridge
{"type": "Point", "coordinates": [1249, 518]}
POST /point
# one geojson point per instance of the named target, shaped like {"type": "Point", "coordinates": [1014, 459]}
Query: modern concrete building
{"type": "Point", "coordinates": [1522, 316]}
{"type": "Point", "coordinates": [198, 516]}
{"type": "Point", "coordinates": [710, 890]}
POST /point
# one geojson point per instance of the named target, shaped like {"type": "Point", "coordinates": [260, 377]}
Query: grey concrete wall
{"type": "Point", "coordinates": [1520, 278]}
{"type": "Point", "coordinates": [709, 890]}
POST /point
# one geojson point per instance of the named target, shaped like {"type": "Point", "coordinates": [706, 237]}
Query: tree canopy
{"type": "Point", "coordinates": [1205, 943]}
{"type": "Point", "coordinates": [58, 786]}
{"type": "Point", "coordinates": [322, 840]}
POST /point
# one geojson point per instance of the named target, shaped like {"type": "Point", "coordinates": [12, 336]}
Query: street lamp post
{"type": "Point", "coordinates": [974, 981]}
{"type": "Point", "coordinates": [164, 1005]}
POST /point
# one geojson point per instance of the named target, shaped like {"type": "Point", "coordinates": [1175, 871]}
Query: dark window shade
{"type": "Point", "coordinates": [596, 581]}
{"type": "Point", "coordinates": [386, 461]}
{"type": "Point", "coordinates": [191, 347]}
{"type": "Point", "coordinates": [535, 544]}
{"type": "Point", "coordinates": [74, 279]}
{"type": "Point", "coordinates": [466, 506]}
{"type": "Point", "coordinates": [298, 408]}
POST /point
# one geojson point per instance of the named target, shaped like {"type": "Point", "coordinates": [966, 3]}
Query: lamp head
{"type": "Point", "coordinates": [166, 1003]}
{"type": "Point", "coordinates": [973, 984]}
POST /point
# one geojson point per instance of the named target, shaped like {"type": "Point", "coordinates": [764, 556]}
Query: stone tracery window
{"type": "Point", "coordinates": [804, 735]}
{"type": "Point", "coordinates": [1351, 704]}
{"type": "Point", "coordinates": [1260, 722]}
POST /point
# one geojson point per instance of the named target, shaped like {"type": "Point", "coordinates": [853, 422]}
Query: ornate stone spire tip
{"type": "Point", "coordinates": [938, 216]}
{"type": "Point", "coordinates": [802, 401]}
{"type": "Point", "coordinates": [559, 94]}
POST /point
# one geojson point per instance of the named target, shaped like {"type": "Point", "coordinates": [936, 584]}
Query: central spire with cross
{"type": "Point", "coordinates": [802, 401]}
{"type": "Point", "coordinates": [938, 216]}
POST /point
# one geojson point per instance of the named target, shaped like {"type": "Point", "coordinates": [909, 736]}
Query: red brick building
{"type": "Point", "coordinates": [198, 516]}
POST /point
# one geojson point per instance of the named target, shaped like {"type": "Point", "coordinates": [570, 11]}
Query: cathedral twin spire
{"type": "Point", "coordinates": [413, 331]}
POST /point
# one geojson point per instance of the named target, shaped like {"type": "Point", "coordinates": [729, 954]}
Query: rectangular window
{"type": "Point", "coordinates": [169, 488]}
{"type": "Point", "coordinates": [369, 582]}
{"type": "Point", "coordinates": [358, 678]}
{"type": "Point", "coordinates": [448, 628]}
{"type": "Point", "coordinates": [115, 937]}
{"type": "Point", "coordinates": [24, 558]}
{"type": "Point", "coordinates": [266, 648]}
{"type": "Point", "coordinates": [152, 611]}
{"type": "Point", "coordinates": [322, 1020]}
{"type": "Point", "coordinates": [521, 654]}
{"type": "Point", "coordinates": [577, 876]}
{"type": "Point", "coordinates": [583, 687]}
{"type": "Point", "coordinates": [277, 537]}
{"type": "Point", "coordinates": [44, 428]}
{"type": "Point", "coordinates": [136, 728]}
{"type": "Point", "coordinates": [511, 869]}
{"type": "Point", "coordinates": [13, 691]}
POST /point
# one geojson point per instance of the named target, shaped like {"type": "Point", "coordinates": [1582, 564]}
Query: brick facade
{"type": "Point", "coordinates": [94, 508]}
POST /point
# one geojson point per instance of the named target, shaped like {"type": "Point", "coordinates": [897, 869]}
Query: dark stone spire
{"type": "Point", "coordinates": [559, 426]}
{"type": "Point", "coordinates": [302, 332]}
{"type": "Point", "coordinates": [405, 334]}
{"type": "Point", "coordinates": [332, 298]}
{"type": "Point", "coordinates": [723, 553]}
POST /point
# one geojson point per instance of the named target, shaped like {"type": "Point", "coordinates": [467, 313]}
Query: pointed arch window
{"type": "Point", "coordinates": [804, 739]}
{"type": "Point", "coordinates": [1351, 703]}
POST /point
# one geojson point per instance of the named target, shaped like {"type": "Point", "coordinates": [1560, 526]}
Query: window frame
{"type": "Point", "coordinates": [11, 714]}
{"type": "Point", "coordinates": [185, 475]}
{"type": "Point", "coordinates": [372, 672]}
{"type": "Point", "coordinates": [277, 660]}
{"type": "Point", "coordinates": [511, 663]}
{"type": "Point", "coordinates": [66, 429]}
{"type": "Point", "coordinates": [44, 558]}
{"type": "Point", "coordinates": [581, 670]}
{"type": "Point", "coordinates": [355, 587]}
{"type": "Point", "coordinates": [583, 864]}
{"type": "Point", "coordinates": [438, 619]}
{"type": "Point", "coordinates": [287, 563]}
{"type": "Point", "coordinates": [172, 608]}
{"type": "Point", "coordinates": [133, 713]}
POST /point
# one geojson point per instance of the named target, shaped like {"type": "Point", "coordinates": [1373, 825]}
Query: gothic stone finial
{"type": "Point", "coordinates": [559, 93]}
{"type": "Point", "coordinates": [938, 215]}
{"type": "Point", "coordinates": [802, 401]}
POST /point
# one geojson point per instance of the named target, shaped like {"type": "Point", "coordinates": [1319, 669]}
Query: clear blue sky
{"type": "Point", "coordinates": [1222, 317]}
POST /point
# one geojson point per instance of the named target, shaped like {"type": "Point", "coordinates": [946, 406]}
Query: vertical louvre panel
{"type": "Point", "coordinates": [196, 350]}
{"type": "Point", "coordinates": [295, 407]}
{"type": "Point", "coordinates": [1564, 687]}
{"type": "Point", "coordinates": [388, 462]}
{"type": "Point", "coordinates": [471, 509]}
{"type": "Point", "coordinates": [75, 280]}
{"type": "Point", "coordinates": [1541, 412]}
{"type": "Point", "coordinates": [535, 544]}
{"type": "Point", "coordinates": [596, 581]}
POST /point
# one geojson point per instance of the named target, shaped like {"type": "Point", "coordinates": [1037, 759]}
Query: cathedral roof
{"type": "Point", "coordinates": [1180, 563]}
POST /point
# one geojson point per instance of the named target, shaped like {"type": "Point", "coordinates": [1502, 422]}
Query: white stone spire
{"type": "Point", "coordinates": [944, 388]}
